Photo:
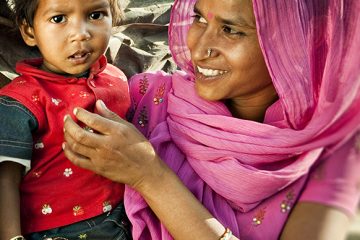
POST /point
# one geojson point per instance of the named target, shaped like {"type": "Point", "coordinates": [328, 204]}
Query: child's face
{"type": "Point", "coordinates": [70, 34]}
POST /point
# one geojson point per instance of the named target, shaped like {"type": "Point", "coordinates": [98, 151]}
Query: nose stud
{"type": "Point", "coordinates": [209, 52]}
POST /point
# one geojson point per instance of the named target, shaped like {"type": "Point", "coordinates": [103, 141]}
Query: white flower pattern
{"type": "Point", "coordinates": [56, 101]}
{"type": "Point", "coordinates": [46, 209]}
{"type": "Point", "coordinates": [107, 207]}
{"type": "Point", "coordinates": [68, 172]}
{"type": "Point", "coordinates": [39, 145]}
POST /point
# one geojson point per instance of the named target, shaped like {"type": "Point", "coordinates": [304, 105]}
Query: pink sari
{"type": "Point", "coordinates": [244, 171]}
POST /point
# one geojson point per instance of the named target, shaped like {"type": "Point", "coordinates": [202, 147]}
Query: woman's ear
{"type": "Point", "coordinates": [27, 33]}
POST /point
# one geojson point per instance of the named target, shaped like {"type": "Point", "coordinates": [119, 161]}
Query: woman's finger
{"type": "Point", "coordinates": [80, 135]}
{"type": "Point", "coordinates": [77, 159]}
{"type": "Point", "coordinates": [104, 123]}
{"type": "Point", "coordinates": [106, 113]}
{"type": "Point", "coordinates": [77, 147]}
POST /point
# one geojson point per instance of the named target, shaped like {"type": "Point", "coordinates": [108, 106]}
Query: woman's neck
{"type": "Point", "coordinates": [253, 107]}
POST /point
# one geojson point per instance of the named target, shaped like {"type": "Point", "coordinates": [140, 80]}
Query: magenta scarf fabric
{"type": "Point", "coordinates": [312, 52]}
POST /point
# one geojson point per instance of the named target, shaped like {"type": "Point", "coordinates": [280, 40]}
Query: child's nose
{"type": "Point", "coordinates": [79, 32]}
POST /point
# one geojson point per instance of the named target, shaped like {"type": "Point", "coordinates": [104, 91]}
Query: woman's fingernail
{"type": "Point", "coordinates": [65, 117]}
{"type": "Point", "coordinates": [102, 104]}
{"type": "Point", "coordinates": [63, 146]}
{"type": "Point", "coordinates": [75, 111]}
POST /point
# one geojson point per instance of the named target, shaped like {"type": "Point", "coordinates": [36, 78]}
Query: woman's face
{"type": "Point", "coordinates": [235, 70]}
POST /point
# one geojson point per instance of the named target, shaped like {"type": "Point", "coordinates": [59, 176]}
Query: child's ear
{"type": "Point", "coordinates": [27, 33]}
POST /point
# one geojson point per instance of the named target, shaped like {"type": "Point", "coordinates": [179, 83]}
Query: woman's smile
{"type": "Point", "coordinates": [208, 72]}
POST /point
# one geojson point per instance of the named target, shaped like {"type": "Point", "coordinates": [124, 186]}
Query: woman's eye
{"type": "Point", "coordinates": [58, 19]}
{"type": "Point", "coordinates": [231, 31]}
{"type": "Point", "coordinates": [199, 19]}
{"type": "Point", "coordinates": [96, 15]}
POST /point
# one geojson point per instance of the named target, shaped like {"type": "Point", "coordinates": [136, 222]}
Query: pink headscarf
{"type": "Point", "coordinates": [312, 52]}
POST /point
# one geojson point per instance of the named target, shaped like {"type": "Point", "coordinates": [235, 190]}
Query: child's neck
{"type": "Point", "coordinates": [80, 75]}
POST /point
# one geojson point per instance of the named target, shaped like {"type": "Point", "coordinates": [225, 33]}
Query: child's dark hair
{"type": "Point", "coordinates": [24, 10]}
{"type": "Point", "coordinates": [116, 12]}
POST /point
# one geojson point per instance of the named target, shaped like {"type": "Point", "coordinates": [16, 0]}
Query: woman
{"type": "Point", "coordinates": [264, 116]}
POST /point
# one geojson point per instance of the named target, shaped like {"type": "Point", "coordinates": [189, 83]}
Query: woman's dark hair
{"type": "Point", "coordinates": [24, 10]}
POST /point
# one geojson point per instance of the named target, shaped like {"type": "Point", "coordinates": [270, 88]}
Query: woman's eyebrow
{"type": "Point", "coordinates": [238, 21]}
{"type": "Point", "coordinates": [197, 11]}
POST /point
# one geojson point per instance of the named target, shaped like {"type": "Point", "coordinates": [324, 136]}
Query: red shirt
{"type": "Point", "coordinates": [55, 192]}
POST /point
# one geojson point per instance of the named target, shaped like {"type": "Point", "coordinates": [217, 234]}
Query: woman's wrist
{"type": "Point", "coordinates": [156, 176]}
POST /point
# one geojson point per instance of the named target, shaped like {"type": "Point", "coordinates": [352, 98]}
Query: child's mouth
{"type": "Point", "coordinates": [79, 57]}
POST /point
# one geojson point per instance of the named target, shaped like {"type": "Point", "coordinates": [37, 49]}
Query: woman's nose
{"type": "Point", "coordinates": [205, 45]}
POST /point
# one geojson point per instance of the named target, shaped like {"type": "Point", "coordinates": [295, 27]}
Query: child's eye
{"type": "Point", "coordinates": [198, 18]}
{"type": "Point", "coordinates": [96, 15]}
{"type": "Point", "coordinates": [58, 19]}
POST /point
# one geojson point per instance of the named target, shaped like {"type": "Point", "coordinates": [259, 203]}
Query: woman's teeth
{"type": "Point", "coordinates": [210, 72]}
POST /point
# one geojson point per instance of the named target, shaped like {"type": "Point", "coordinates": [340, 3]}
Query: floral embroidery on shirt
{"type": "Point", "coordinates": [159, 94]}
{"type": "Point", "coordinates": [143, 85]}
{"type": "Point", "coordinates": [142, 118]}
{"type": "Point", "coordinates": [39, 145]}
{"type": "Point", "coordinates": [68, 172]}
{"type": "Point", "coordinates": [288, 202]}
{"type": "Point", "coordinates": [78, 210]}
{"type": "Point", "coordinates": [83, 94]}
{"type": "Point", "coordinates": [37, 174]}
{"type": "Point", "coordinates": [259, 217]}
{"type": "Point", "coordinates": [83, 236]}
{"type": "Point", "coordinates": [46, 209]}
{"type": "Point", "coordinates": [21, 81]}
{"type": "Point", "coordinates": [35, 98]}
{"type": "Point", "coordinates": [55, 101]}
{"type": "Point", "coordinates": [107, 206]}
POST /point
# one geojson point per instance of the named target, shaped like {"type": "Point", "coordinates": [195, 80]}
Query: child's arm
{"type": "Point", "coordinates": [10, 177]}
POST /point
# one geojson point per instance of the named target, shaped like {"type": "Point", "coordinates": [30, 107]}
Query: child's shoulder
{"type": "Point", "coordinates": [114, 71]}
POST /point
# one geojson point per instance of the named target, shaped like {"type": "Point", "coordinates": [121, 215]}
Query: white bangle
{"type": "Point", "coordinates": [20, 237]}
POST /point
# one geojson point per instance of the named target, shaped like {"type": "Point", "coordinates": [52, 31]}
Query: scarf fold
{"type": "Point", "coordinates": [311, 49]}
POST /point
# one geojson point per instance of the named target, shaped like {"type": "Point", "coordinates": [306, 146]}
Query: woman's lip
{"type": "Point", "coordinates": [201, 77]}
{"type": "Point", "coordinates": [210, 72]}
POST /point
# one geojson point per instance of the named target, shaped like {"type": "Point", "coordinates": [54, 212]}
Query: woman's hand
{"type": "Point", "coordinates": [121, 153]}
{"type": "Point", "coordinates": [115, 149]}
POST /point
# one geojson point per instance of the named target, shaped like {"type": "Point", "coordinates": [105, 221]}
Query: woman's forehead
{"type": "Point", "coordinates": [237, 11]}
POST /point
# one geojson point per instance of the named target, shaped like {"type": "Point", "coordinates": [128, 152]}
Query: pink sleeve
{"type": "Point", "coordinates": [149, 100]}
{"type": "Point", "coordinates": [336, 182]}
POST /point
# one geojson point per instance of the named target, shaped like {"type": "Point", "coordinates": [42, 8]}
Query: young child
{"type": "Point", "coordinates": [57, 199]}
